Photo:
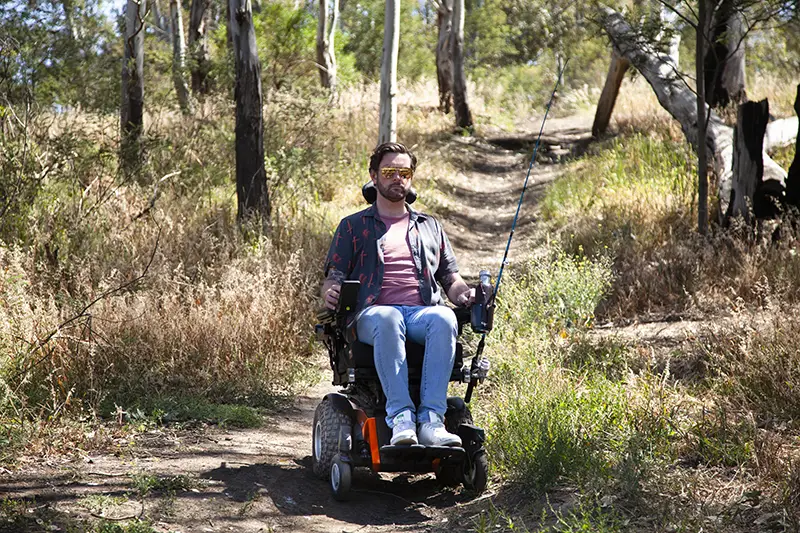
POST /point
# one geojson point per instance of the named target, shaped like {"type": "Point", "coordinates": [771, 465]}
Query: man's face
{"type": "Point", "coordinates": [392, 185]}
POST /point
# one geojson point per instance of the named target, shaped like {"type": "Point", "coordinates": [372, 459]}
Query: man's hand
{"type": "Point", "coordinates": [465, 298]}
{"type": "Point", "coordinates": [330, 293]}
{"type": "Point", "coordinates": [457, 290]}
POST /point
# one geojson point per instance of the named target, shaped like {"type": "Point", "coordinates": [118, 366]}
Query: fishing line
{"type": "Point", "coordinates": [504, 262]}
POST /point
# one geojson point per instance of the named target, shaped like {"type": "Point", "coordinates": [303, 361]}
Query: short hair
{"type": "Point", "coordinates": [389, 148]}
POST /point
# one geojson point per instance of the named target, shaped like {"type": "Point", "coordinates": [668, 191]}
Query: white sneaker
{"type": "Point", "coordinates": [433, 433]}
{"type": "Point", "coordinates": [404, 430]}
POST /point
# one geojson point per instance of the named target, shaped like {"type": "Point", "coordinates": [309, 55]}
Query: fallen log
{"type": "Point", "coordinates": [680, 101]}
{"type": "Point", "coordinates": [781, 132]}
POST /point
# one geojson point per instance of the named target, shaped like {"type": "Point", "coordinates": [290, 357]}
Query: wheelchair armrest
{"type": "Point", "coordinates": [462, 315]}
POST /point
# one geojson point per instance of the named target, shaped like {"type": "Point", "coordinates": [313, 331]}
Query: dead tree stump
{"type": "Point", "coordinates": [748, 165]}
{"type": "Point", "coordinates": [793, 179]}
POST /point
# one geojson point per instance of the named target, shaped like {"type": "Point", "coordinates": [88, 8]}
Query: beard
{"type": "Point", "coordinates": [394, 192]}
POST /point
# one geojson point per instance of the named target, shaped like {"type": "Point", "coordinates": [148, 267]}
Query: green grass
{"type": "Point", "coordinates": [586, 517]}
{"type": "Point", "coordinates": [557, 290]}
{"type": "Point", "coordinates": [99, 503]}
{"type": "Point", "coordinates": [147, 483]}
{"type": "Point", "coordinates": [784, 156]}
{"type": "Point", "coordinates": [559, 406]}
{"type": "Point", "coordinates": [170, 410]}
{"type": "Point", "coordinates": [629, 175]}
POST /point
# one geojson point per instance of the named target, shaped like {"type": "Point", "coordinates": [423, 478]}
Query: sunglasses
{"type": "Point", "coordinates": [405, 173]}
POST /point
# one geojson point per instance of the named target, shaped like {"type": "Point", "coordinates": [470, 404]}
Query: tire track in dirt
{"type": "Point", "coordinates": [484, 195]}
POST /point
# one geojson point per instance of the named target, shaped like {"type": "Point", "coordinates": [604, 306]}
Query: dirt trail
{"type": "Point", "coordinates": [260, 479]}
{"type": "Point", "coordinates": [485, 194]}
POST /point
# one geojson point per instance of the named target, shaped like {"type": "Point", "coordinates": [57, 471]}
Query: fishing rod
{"type": "Point", "coordinates": [477, 366]}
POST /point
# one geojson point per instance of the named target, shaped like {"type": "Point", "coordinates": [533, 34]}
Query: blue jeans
{"type": "Point", "coordinates": [386, 328]}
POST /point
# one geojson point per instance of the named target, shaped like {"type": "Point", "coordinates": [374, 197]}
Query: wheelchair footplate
{"type": "Point", "coordinates": [417, 458]}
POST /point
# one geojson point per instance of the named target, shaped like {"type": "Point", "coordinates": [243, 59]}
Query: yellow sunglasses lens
{"type": "Point", "coordinates": [404, 173]}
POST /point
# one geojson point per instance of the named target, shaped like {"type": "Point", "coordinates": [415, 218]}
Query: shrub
{"type": "Point", "coordinates": [558, 406]}
{"type": "Point", "coordinates": [558, 289]}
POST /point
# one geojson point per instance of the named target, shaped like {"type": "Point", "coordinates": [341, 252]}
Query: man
{"type": "Point", "coordinates": [399, 255]}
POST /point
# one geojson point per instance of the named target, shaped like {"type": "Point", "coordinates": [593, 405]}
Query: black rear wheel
{"type": "Point", "coordinates": [325, 440]}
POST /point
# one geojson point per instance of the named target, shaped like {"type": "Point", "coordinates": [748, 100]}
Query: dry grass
{"type": "Point", "coordinates": [221, 314]}
{"type": "Point", "coordinates": [635, 195]}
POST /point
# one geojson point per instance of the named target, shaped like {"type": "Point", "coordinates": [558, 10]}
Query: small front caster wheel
{"type": "Point", "coordinates": [476, 474]}
{"type": "Point", "coordinates": [341, 478]}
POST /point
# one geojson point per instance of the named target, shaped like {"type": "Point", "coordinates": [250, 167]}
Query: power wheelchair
{"type": "Point", "coordinates": [350, 429]}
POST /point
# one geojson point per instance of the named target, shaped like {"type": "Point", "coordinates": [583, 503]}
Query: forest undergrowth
{"type": "Point", "coordinates": [692, 433]}
{"type": "Point", "coordinates": [114, 289]}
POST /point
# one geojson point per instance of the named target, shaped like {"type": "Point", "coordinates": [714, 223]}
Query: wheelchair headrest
{"type": "Point", "coordinates": [370, 193]}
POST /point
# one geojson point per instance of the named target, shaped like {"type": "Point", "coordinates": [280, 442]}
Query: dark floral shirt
{"type": "Point", "coordinates": [356, 252]}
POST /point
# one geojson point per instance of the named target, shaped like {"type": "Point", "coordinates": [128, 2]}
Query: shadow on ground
{"type": "Point", "coordinates": [375, 500]}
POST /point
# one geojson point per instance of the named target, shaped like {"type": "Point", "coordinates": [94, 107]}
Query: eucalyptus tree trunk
{"type": "Point", "coordinates": [391, 44]}
{"type": "Point", "coordinates": [605, 105]}
{"type": "Point", "coordinates": [460, 104]}
{"type": "Point", "coordinates": [198, 45]}
{"type": "Point", "coordinates": [179, 57]}
{"type": "Point", "coordinates": [444, 54]}
{"type": "Point", "coordinates": [251, 178]}
{"type": "Point", "coordinates": [326, 56]}
{"type": "Point", "coordinates": [160, 21]}
{"type": "Point", "coordinates": [724, 61]}
{"type": "Point", "coordinates": [702, 156]}
{"type": "Point", "coordinates": [132, 104]}
{"type": "Point", "coordinates": [747, 184]}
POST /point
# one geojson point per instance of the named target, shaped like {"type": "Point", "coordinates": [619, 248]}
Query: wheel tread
{"type": "Point", "coordinates": [331, 420]}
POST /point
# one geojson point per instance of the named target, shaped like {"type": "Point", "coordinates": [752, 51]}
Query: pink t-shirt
{"type": "Point", "coordinates": [400, 284]}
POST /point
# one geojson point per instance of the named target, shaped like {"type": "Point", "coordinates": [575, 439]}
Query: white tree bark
{"type": "Point", "coordinates": [326, 56]}
{"type": "Point", "coordinates": [781, 132]}
{"type": "Point", "coordinates": [179, 57]}
{"type": "Point", "coordinates": [391, 45]}
{"type": "Point", "coordinates": [460, 102]}
{"type": "Point", "coordinates": [681, 102]}
{"type": "Point", "coordinates": [670, 21]}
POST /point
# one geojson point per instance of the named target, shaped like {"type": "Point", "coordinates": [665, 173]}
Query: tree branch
{"type": "Point", "coordinates": [82, 313]}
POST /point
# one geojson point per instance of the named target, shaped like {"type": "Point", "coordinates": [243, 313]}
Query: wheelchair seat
{"type": "Point", "coordinates": [354, 360]}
